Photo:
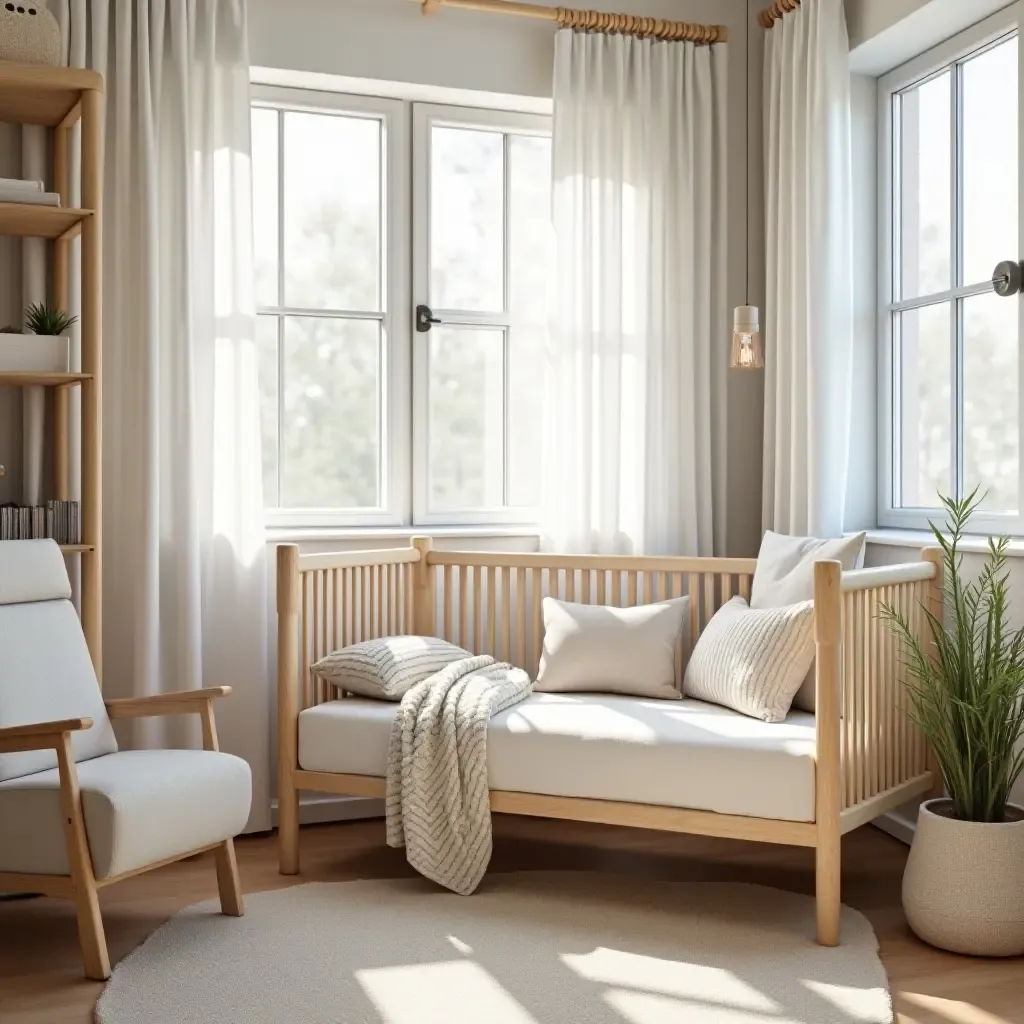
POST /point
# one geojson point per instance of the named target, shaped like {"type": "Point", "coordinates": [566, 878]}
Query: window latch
{"type": "Point", "coordinates": [1006, 278]}
{"type": "Point", "coordinates": [425, 319]}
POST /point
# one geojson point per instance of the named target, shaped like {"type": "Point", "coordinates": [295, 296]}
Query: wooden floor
{"type": "Point", "coordinates": [40, 970]}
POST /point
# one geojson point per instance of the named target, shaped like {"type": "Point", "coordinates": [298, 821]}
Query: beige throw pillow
{"type": "Point", "coordinates": [599, 649]}
{"type": "Point", "coordinates": [389, 667]}
{"type": "Point", "coordinates": [785, 575]}
{"type": "Point", "coordinates": [752, 661]}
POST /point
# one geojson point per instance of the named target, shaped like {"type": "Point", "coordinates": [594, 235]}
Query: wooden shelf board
{"type": "Point", "coordinates": [29, 221]}
{"type": "Point", "coordinates": [76, 549]}
{"type": "Point", "coordinates": [40, 94]}
{"type": "Point", "coordinates": [17, 378]}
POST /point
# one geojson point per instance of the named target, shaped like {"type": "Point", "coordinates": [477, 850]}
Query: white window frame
{"type": "Point", "coordinates": [395, 320]}
{"type": "Point", "coordinates": [970, 42]}
{"type": "Point", "coordinates": [425, 115]}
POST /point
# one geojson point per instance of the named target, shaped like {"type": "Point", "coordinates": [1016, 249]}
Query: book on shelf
{"type": "Point", "coordinates": [26, 198]}
{"type": "Point", "coordinates": [21, 185]}
{"type": "Point", "coordinates": [57, 520]}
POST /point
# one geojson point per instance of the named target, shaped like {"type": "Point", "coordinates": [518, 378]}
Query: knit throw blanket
{"type": "Point", "coordinates": [437, 799]}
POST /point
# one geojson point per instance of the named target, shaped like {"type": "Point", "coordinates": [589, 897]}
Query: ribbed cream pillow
{"type": "Point", "coordinates": [752, 660]}
{"type": "Point", "coordinates": [389, 667]}
{"type": "Point", "coordinates": [599, 649]}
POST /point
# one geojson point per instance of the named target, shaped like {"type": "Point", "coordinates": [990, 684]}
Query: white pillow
{"type": "Point", "coordinates": [785, 575]}
{"type": "Point", "coordinates": [752, 661]}
{"type": "Point", "coordinates": [389, 667]}
{"type": "Point", "coordinates": [600, 649]}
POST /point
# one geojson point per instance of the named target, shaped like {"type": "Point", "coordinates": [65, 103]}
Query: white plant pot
{"type": "Point", "coordinates": [963, 888]}
{"type": "Point", "coordinates": [35, 353]}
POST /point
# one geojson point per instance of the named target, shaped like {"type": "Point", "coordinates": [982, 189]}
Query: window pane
{"type": "Point", "coordinates": [467, 216]}
{"type": "Point", "coordinates": [991, 402]}
{"type": "Point", "coordinates": [266, 356]}
{"type": "Point", "coordinates": [925, 191]}
{"type": "Point", "coordinates": [530, 232]}
{"type": "Point", "coordinates": [331, 424]}
{"type": "Point", "coordinates": [466, 418]}
{"type": "Point", "coordinates": [925, 402]}
{"type": "Point", "coordinates": [990, 161]}
{"type": "Point", "coordinates": [264, 202]}
{"type": "Point", "coordinates": [332, 211]}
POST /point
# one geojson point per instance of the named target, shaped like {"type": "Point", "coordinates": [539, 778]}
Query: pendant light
{"type": "Point", "coordinates": [747, 348]}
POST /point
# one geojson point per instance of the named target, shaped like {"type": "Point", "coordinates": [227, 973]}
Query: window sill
{"type": "Point", "coordinates": [297, 534]}
{"type": "Point", "coordinates": [918, 539]}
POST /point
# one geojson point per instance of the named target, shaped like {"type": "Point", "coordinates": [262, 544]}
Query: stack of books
{"type": "Point", "coordinates": [15, 190]}
{"type": "Point", "coordinates": [59, 520]}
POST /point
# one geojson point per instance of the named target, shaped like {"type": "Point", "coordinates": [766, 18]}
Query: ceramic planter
{"type": "Point", "coordinates": [34, 353]}
{"type": "Point", "coordinates": [963, 889]}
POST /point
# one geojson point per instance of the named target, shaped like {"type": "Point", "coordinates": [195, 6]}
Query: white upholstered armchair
{"type": "Point", "coordinates": [76, 814]}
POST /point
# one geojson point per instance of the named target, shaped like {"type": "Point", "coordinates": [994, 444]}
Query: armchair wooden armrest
{"type": "Point", "coordinates": [39, 735]}
{"type": "Point", "coordinates": [181, 702]}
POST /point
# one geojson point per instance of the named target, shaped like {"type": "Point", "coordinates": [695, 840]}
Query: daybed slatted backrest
{"type": "Point", "coordinates": [489, 602]}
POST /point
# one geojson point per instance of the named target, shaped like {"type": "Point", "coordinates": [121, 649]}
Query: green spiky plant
{"type": "Point", "coordinates": [966, 680]}
{"type": "Point", "coordinates": [41, 318]}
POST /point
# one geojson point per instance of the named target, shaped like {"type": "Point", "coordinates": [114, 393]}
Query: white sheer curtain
{"type": "Point", "coordinates": [184, 546]}
{"type": "Point", "coordinates": [640, 310]}
{"type": "Point", "coordinates": [809, 310]}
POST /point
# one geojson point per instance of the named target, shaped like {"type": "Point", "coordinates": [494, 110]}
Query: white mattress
{"type": "Point", "coordinates": [670, 753]}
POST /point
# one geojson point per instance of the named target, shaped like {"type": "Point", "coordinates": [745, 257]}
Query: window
{"type": "Point", "coordinates": [364, 209]}
{"type": "Point", "coordinates": [950, 345]}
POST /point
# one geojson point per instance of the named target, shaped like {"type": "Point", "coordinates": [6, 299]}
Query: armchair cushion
{"type": "Point", "coordinates": [140, 807]}
{"type": "Point", "coordinates": [46, 675]}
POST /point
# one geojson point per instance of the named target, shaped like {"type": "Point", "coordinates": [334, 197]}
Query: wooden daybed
{"type": "Point", "coordinates": [807, 783]}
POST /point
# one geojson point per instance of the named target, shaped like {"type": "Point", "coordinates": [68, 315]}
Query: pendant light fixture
{"type": "Point", "coordinates": [747, 348]}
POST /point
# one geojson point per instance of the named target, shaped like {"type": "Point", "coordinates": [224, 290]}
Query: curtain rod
{"type": "Point", "coordinates": [599, 21]}
{"type": "Point", "coordinates": [772, 14]}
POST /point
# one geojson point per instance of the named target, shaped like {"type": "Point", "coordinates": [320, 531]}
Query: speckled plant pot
{"type": "Point", "coordinates": [963, 889]}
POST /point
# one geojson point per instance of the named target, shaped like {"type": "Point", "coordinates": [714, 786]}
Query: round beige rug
{"type": "Point", "coordinates": [524, 949]}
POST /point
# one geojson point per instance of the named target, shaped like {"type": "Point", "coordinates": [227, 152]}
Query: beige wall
{"type": "Point", "coordinates": [10, 312]}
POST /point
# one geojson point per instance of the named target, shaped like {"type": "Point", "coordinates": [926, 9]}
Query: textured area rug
{"type": "Point", "coordinates": [526, 948]}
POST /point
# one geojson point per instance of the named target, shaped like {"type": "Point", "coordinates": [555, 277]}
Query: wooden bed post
{"type": "Point", "coordinates": [287, 707]}
{"type": "Point", "coordinates": [827, 637]}
{"type": "Point", "coordinates": [936, 605]}
{"type": "Point", "coordinates": [422, 591]}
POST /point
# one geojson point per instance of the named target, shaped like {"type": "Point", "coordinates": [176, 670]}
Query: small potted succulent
{"type": "Point", "coordinates": [42, 345]}
{"type": "Point", "coordinates": [963, 888]}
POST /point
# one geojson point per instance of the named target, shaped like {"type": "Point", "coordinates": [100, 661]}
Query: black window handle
{"type": "Point", "coordinates": [425, 319]}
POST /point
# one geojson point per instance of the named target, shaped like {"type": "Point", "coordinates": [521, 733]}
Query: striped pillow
{"type": "Point", "coordinates": [753, 660]}
{"type": "Point", "coordinates": [389, 667]}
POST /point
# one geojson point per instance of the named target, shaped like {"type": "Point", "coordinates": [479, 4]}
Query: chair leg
{"type": "Point", "coordinates": [87, 904]}
{"type": "Point", "coordinates": [90, 933]}
{"type": "Point", "coordinates": [288, 829]}
{"type": "Point", "coordinates": [231, 902]}
{"type": "Point", "coordinates": [827, 888]}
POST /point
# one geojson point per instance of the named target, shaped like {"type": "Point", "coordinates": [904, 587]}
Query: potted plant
{"type": "Point", "coordinates": [43, 346]}
{"type": "Point", "coordinates": [963, 888]}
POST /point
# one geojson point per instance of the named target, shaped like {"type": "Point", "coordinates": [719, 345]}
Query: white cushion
{"type": "Point", "coordinates": [600, 649]}
{"type": "Point", "coordinates": [32, 570]}
{"type": "Point", "coordinates": [45, 675]}
{"type": "Point", "coordinates": [389, 667]}
{"type": "Point", "coordinates": [140, 806]}
{"type": "Point", "coordinates": [601, 746]}
{"type": "Point", "coordinates": [752, 661]}
{"type": "Point", "coordinates": [785, 575]}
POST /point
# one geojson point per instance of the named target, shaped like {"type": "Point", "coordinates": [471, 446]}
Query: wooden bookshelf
{"type": "Point", "coordinates": [66, 100]}
{"type": "Point", "coordinates": [19, 379]}
{"type": "Point", "coordinates": [30, 221]}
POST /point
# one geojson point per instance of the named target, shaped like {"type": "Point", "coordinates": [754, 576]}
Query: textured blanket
{"type": "Point", "coordinates": [437, 800]}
